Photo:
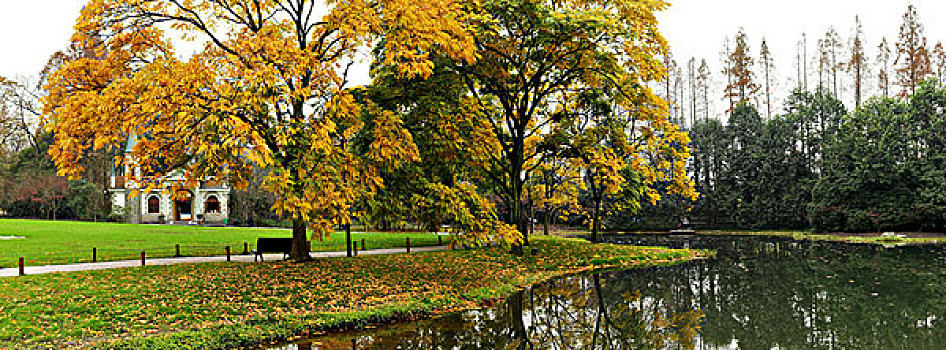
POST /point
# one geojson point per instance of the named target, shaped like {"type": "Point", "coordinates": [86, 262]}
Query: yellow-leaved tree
{"type": "Point", "coordinates": [267, 89]}
{"type": "Point", "coordinates": [535, 57]}
{"type": "Point", "coordinates": [554, 189]}
{"type": "Point", "coordinates": [624, 156]}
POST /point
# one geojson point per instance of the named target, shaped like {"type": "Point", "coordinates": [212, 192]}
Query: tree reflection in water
{"type": "Point", "coordinates": [756, 294]}
{"type": "Point", "coordinates": [577, 312]}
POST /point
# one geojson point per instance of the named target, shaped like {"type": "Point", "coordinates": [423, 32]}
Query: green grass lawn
{"type": "Point", "coordinates": [62, 242]}
{"type": "Point", "coordinates": [239, 305]}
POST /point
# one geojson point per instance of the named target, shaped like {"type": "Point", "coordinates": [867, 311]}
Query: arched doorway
{"type": "Point", "coordinates": [183, 206]}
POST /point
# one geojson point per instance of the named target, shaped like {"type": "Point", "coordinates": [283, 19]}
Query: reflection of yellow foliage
{"type": "Point", "coordinates": [681, 328]}
{"type": "Point", "coordinates": [579, 310]}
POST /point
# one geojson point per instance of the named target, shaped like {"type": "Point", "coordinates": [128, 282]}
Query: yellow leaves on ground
{"type": "Point", "coordinates": [170, 301]}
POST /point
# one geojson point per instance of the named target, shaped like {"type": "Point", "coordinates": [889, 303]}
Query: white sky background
{"type": "Point", "coordinates": [34, 29]}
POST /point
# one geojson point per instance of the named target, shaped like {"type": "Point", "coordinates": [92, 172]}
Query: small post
{"type": "Point", "coordinates": [246, 248]}
{"type": "Point", "coordinates": [142, 258]}
{"type": "Point", "coordinates": [408, 245]}
{"type": "Point", "coordinates": [22, 267]}
{"type": "Point", "coordinates": [439, 240]}
{"type": "Point", "coordinates": [354, 249]}
{"type": "Point", "coordinates": [95, 254]}
{"type": "Point", "coordinates": [228, 253]}
{"type": "Point", "coordinates": [177, 250]}
{"type": "Point", "coordinates": [363, 245]}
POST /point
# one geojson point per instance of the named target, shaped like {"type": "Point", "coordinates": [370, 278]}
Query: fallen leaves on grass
{"type": "Point", "coordinates": [96, 306]}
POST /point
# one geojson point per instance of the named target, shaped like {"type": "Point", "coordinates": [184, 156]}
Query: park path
{"type": "Point", "coordinates": [38, 270]}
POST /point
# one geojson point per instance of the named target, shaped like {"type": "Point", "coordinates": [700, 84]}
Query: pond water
{"type": "Point", "coordinates": [758, 293]}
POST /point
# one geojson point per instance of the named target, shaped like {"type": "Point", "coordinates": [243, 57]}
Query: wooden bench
{"type": "Point", "coordinates": [272, 245]}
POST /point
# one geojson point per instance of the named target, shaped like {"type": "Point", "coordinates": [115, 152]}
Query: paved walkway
{"type": "Point", "coordinates": [36, 270]}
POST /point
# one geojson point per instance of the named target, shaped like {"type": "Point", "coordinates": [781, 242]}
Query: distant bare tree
{"type": "Point", "coordinates": [857, 63]}
{"type": "Point", "coordinates": [768, 65]}
{"type": "Point", "coordinates": [913, 57]}
{"type": "Point", "coordinates": [742, 86]}
{"type": "Point", "coordinates": [884, 57]}
{"type": "Point", "coordinates": [830, 48]}
{"type": "Point", "coordinates": [703, 80]}
{"type": "Point", "coordinates": [19, 114]}
{"type": "Point", "coordinates": [939, 62]}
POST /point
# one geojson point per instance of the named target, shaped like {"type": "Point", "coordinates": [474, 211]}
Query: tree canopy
{"type": "Point", "coordinates": [469, 101]}
{"type": "Point", "coordinates": [268, 88]}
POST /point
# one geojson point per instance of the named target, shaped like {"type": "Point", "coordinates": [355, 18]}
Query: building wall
{"type": "Point", "coordinates": [200, 205]}
{"type": "Point", "coordinates": [136, 206]}
{"type": "Point", "coordinates": [132, 208]}
{"type": "Point", "coordinates": [163, 209]}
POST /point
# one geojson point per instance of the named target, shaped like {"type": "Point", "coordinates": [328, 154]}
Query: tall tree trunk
{"type": "Point", "coordinates": [596, 211]}
{"type": "Point", "coordinates": [300, 243]}
{"type": "Point", "coordinates": [516, 217]}
{"type": "Point", "coordinates": [516, 211]}
{"type": "Point", "coordinates": [768, 94]}
{"type": "Point", "coordinates": [596, 217]}
{"type": "Point", "coordinates": [531, 218]}
{"type": "Point", "coordinates": [804, 60]}
{"type": "Point", "coordinates": [857, 85]}
{"type": "Point", "coordinates": [545, 219]}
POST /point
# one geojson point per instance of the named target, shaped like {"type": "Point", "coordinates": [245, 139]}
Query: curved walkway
{"type": "Point", "coordinates": [37, 270]}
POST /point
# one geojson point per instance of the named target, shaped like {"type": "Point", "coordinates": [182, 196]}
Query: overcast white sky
{"type": "Point", "coordinates": [34, 29]}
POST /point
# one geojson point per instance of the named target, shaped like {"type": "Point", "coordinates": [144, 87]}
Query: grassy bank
{"type": "Point", "coordinates": [222, 305]}
{"type": "Point", "coordinates": [834, 237]}
{"type": "Point", "coordinates": [62, 242]}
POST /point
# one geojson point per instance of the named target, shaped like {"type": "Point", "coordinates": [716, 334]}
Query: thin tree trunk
{"type": "Point", "coordinates": [804, 60]}
{"type": "Point", "coordinates": [857, 86]}
{"type": "Point", "coordinates": [595, 214]}
{"type": "Point", "coordinates": [348, 239]}
{"type": "Point", "coordinates": [596, 217]}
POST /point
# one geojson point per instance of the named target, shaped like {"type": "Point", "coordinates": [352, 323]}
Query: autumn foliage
{"type": "Point", "coordinates": [268, 89]}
